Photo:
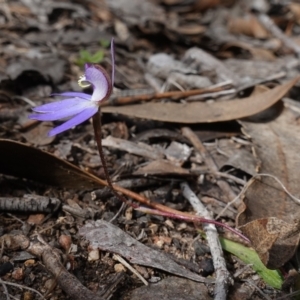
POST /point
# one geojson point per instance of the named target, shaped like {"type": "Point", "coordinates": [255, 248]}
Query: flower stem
{"type": "Point", "coordinates": [190, 218]}
{"type": "Point", "coordinates": [98, 137]}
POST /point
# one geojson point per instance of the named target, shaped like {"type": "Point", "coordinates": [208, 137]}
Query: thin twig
{"type": "Point", "coordinates": [237, 198]}
{"type": "Point", "coordinates": [26, 100]}
{"type": "Point", "coordinates": [297, 200]}
{"type": "Point", "coordinates": [255, 82]}
{"type": "Point", "coordinates": [212, 95]}
{"type": "Point", "coordinates": [129, 267]}
{"type": "Point", "coordinates": [223, 185]}
{"type": "Point", "coordinates": [22, 287]}
{"type": "Point", "coordinates": [175, 95]}
{"type": "Point", "coordinates": [223, 277]}
{"type": "Point", "coordinates": [52, 260]}
{"type": "Point", "coordinates": [288, 296]}
{"type": "Point", "coordinates": [118, 213]}
{"type": "Point", "coordinates": [268, 23]}
{"type": "Point", "coordinates": [251, 283]}
{"type": "Point", "coordinates": [231, 177]}
{"type": "Point", "coordinates": [219, 174]}
{"type": "Point", "coordinates": [243, 270]}
{"type": "Point", "coordinates": [255, 177]}
{"type": "Point", "coordinates": [5, 290]}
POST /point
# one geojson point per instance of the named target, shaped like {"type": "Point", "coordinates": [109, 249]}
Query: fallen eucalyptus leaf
{"type": "Point", "coordinates": [204, 112]}
{"type": "Point", "coordinates": [20, 160]}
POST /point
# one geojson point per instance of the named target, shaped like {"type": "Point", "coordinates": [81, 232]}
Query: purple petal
{"type": "Point", "coordinates": [58, 105]}
{"type": "Point", "coordinates": [112, 53]}
{"type": "Point", "coordinates": [86, 66]}
{"type": "Point", "coordinates": [74, 94]}
{"type": "Point", "coordinates": [98, 77]}
{"type": "Point", "coordinates": [81, 117]}
{"type": "Point", "coordinates": [64, 113]}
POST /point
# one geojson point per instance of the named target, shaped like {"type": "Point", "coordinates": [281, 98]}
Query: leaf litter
{"type": "Point", "coordinates": [265, 198]}
{"type": "Point", "coordinates": [181, 63]}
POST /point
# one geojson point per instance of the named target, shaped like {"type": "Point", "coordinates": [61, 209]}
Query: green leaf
{"type": "Point", "coordinates": [84, 54]}
{"type": "Point", "coordinates": [104, 43]}
{"type": "Point", "coordinates": [97, 57]}
{"type": "Point", "coordinates": [87, 57]}
{"type": "Point", "coordinates": [249, 256]}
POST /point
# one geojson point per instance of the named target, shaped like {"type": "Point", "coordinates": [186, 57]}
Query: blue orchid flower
{"type": "Point", "coordinates": [78, 106]}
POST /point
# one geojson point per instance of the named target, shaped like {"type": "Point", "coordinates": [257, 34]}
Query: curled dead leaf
{"type": "Point", "coordinates": [274, 240]}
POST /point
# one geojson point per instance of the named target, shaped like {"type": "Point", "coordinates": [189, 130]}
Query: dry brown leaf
{"type": "Point", "coordinates": [274, 240]}
{"type": "Point", "coordinates": [277, 146]}
{"type": "Point", "coordinates": [249, 25]}
{"type": "Point", "coordinates": [20, 160]}
{"type": "Point", "coordinates": [242, 159]}
{"type": "Point", "coordinates": [200, 112]}
{"type": "Point", "coordinates": [38, 135]}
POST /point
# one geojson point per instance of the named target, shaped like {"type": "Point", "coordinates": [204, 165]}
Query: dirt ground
{"type": "Point", "coordinates": [200, 138]}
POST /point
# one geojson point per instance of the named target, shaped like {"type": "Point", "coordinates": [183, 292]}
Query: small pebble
{"type": "Point", "coordinates": [94, 255]}
{"type": "Point", "coordinates": [18, 274]}
{"type": "Point", "coordinates": [65, 242]}
{"type": "Point", "coordinates": [119, 268]}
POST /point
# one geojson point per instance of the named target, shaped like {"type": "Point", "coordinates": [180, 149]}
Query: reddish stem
{"type": "Point", "coordinates": [193, 219]}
